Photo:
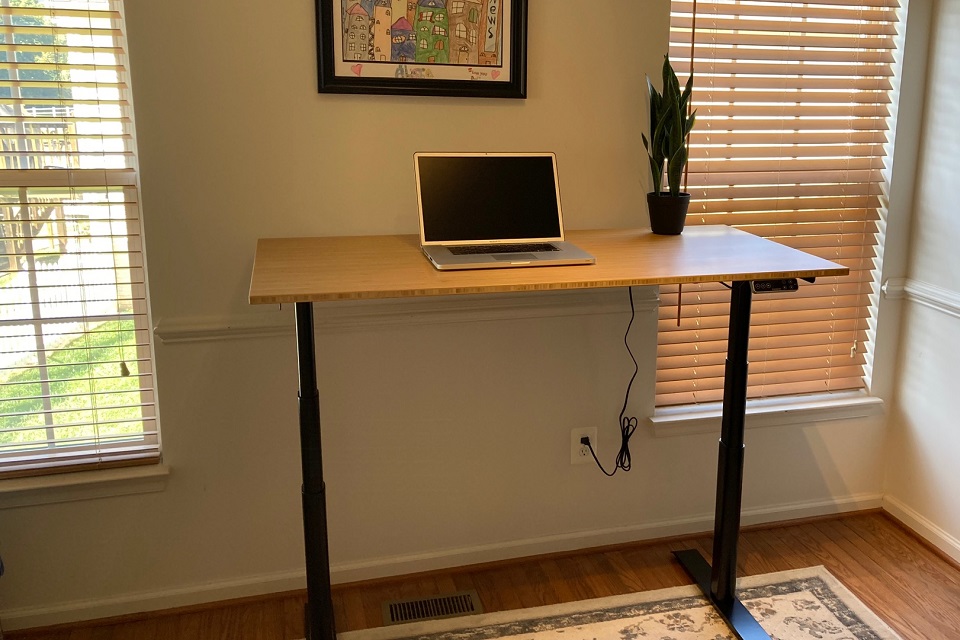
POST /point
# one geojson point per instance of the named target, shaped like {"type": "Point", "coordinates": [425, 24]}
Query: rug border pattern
{"type": "Point", "coordinates": [862, 623]}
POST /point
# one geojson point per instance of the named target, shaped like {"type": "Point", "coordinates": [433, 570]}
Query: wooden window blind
{"type": "Point", "coordinates": [76, 373]}
{"type": "Point", "coordinates": [793, 105]}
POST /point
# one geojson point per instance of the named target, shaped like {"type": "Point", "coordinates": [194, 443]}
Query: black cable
{"type": "Point", "coordinates": [628, 424]}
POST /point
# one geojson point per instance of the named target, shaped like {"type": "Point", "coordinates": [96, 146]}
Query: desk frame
{"type": "Point", "coordinates": [718, 582]}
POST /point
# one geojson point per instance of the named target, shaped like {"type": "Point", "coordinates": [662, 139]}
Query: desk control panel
{"type": "Point", "coordinates": [774, 286]}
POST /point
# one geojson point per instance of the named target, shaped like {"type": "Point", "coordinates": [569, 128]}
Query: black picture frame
{"type": "Point", "coordinates": [504, 77]}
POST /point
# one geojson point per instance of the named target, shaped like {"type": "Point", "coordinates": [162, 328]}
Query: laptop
{"type": "Point", "coordinates": [492, 210]}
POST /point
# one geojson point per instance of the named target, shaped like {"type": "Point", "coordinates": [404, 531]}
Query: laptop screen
{"type": "Point", "coordinates": [485, 197]}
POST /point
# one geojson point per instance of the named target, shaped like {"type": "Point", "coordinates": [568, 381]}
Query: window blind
{"type": "Point", "coordinates": [76, 374]}
{"type": "Point", "coordinates": [793, 105]}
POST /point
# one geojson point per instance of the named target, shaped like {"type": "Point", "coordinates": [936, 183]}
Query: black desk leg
{"type": "Point", "coordinates": [718, 583]}
{"type": "Point", "coordinates": [318, 617]}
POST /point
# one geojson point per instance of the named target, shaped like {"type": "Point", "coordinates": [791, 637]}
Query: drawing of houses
{"type": "Point", "coordinates": [431, 30]}
{"type": "Point", "coordinates": [465, 28]}
{"type": "Point", "coordinates": [398, 9]}
{"type": "Point", "coordinates": [356, 33]}
{"type": "Point", "coordinates": [412, 11]}
{"type": "Point", "coordinates": [461, 32]}
{"type": "Point", "coordinates": [492, 33]}
{"type": "Point", "coordinates": [404, 47]}
{"type": "Point", "coordinates": [380, 30]}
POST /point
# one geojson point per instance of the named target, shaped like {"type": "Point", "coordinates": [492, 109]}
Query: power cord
{"type": "Point", "coordinates": [628, 424]}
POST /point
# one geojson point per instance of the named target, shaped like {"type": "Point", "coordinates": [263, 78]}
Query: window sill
{"type": "Point", "coordinates": [767, 412]}
{"type": "Point", "coordinates": [82, 485]}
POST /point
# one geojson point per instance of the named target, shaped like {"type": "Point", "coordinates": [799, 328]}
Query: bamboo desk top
{"type": "Point", "coordinates": [366, 267]}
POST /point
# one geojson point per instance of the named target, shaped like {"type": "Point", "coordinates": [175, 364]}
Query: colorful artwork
{"type": "Point", "coordinates": [422, 41]}
{"type": "Point", "coordinates": [426, 32]}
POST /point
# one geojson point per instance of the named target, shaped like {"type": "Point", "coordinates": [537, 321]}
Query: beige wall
{"type": "Point", "coordinates": [922, 480]}
{"type": "Point", "coordinates": [423, 469]}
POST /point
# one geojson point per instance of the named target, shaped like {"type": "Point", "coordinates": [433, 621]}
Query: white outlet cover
{"type": "Point", "coordinates": [578, 453]}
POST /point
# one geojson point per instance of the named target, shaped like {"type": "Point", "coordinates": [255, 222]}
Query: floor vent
{"type": "Point", "coordinates": [463, 603]}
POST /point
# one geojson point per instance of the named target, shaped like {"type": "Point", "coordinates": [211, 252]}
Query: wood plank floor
{"type": "Point", "coordinates": [914, 589]}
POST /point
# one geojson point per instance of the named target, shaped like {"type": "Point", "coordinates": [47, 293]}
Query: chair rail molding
{"type": "Point", "coordinates": [354, 315]}
{"type": "Point", "coordinates": [929, 295]}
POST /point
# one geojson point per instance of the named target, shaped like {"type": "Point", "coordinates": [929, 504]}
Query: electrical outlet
{"type": "Point", "coordinates": [580, 453]}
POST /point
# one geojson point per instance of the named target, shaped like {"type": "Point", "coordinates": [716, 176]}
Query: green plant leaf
{"type": "Point", "coordinates": [675, 170]}
{"type": "Point", "coordinates": [656, 170]}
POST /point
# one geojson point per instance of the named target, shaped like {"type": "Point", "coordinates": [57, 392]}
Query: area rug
{"type": "Point", "coordinates": [805, 604]}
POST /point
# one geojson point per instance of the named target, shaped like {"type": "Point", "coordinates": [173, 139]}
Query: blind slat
{"type": "Point", "coordinates": [800, 143]}
{"type": "Point", "coordinates": [835, 111]}
{"type": "Point", "coordinates": [720, 23]}
{"type": "Point", "coordinates": [776, 370]}
{"type": "Point", "coordinates": [784, 203]}
{"type": "Point", "coordinates": [806, 48]}
{"type": "Point", "coordinates": [709, 71]}
{"type": "Point", "coordinates": [754, 390]}
{"type": "Point", "coordinates": [814, 176]}
{"type": "Point", "coordinates": [713, 377]}
{"type": "Point", "coordinates": [774, 90]}
{"type": "Point", "coordinates": [805, 12]}
{"type": "Point", "coordinates": [760, 342]}
{"type": "Point", "coordinates": [888, 4]}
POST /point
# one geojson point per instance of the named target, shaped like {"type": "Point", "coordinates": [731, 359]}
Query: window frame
{"type": "Point", "coordinates": [87, 176]}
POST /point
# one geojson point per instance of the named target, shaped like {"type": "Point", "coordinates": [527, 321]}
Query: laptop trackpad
{"type": "Point", "coordinates": [511, 257]}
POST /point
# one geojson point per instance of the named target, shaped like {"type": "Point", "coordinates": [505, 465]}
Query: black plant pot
{"type": "Point", "coordinates": [667, 213]}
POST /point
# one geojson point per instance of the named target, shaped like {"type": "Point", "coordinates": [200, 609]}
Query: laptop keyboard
{"type": "Point", "coordinates": [472, 249]}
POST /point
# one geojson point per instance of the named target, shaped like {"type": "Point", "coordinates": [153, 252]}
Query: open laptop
{"type": "Point", "coordinates": [492, 210]}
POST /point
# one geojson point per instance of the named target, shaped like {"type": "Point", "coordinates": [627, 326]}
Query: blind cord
{"type": "Point", "coordinates": [628, 424]}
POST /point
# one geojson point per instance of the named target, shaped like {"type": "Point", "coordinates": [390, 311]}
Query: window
{"type": "Point", "coordinates": [457, 6]}
{"type": "Point", "coordinates": [76, 376]}
{"type": "Point", "coordinates": [461, 31]}
{"type": "Point", "coordinates": [791, 143]}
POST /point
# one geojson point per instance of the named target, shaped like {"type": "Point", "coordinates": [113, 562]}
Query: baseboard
{"type": "Point", "coordinates": [923, 527]}
{"type": "Point", "coordinates": [79, 610]}
{"type": "Point", "coordinates": [96, 608]}
{"type": "Point", "coordinates": [447, 558]}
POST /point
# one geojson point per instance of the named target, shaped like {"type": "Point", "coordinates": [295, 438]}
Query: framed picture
{"type": "Point", "coordinates": [466, 48]}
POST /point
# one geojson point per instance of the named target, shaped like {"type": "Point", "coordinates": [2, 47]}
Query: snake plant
{"type": "Point", "coordinates": [669, 127]}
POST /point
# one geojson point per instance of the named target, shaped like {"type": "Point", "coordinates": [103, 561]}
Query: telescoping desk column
{"type": "Point", "coordinates": [302, 271]}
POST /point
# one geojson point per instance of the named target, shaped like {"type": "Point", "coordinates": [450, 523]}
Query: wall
{"type": "Point", "coordinates": [423, 468]}
{"type": "Point", "coordinates": [922, 483]}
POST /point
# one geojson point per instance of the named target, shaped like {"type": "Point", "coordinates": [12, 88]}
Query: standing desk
{"type": "Point", "coordinates": [307, 270]}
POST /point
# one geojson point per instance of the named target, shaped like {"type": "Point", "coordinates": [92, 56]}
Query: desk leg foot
{"type": "Point", "coordinates": [740, 621]}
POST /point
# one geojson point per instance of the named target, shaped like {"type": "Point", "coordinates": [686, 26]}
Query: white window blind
{"type": "Point", "coordinates": [76, 377]}
{"type": "Point", "coordinates": [793, 105]}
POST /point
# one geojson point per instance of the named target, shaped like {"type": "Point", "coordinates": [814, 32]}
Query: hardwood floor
{"type": "Point", "coordinates": [913, 588]}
